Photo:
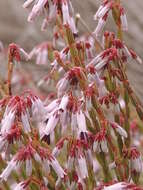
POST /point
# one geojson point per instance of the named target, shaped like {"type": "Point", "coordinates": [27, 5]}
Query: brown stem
{"type": "Point", "coordinates": [9, 76]}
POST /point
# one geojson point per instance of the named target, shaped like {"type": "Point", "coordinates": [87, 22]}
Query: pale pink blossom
{"type": "Point", "coordinates": [122, 186]}
{"type": "Point", "coordinates": [116, 186]}
{"type": "Point", "coordinates": [36, 10]}
{"type": "Point", "coordinates": [52, 106]}
{"type": "Point", "coordinates": [62, 86]}
{"type": "Point", "coordinates": [99, 27]}
{"type": "Point", "coordinates": [52, 122]}
{"type": "Point", "coordinates": [63, 103]}
{"type": "Point", "coordinates": [52, 11]}
{"type": "Point", "coordinates": [103, 9]}
{"type": "Point", "coordinates": [58, 169]}
{"type": "Point", "coordinates": [74, 122]}
{"type": "Point", "coordinates": [123, 18]}
{"type": "Point", "coordinates": [119, 129]}
{"type": "Point", "coordinates": [70, 163]}
{"type": "Point", "coordinates": [65, 10]}
{"type": "Point", "coordinates": [135, 160]}
{"type": "Point", "coordinates": [82, 167]}
{"type": "Point", "coordinates": [64, 120]}
{"type": "Point", "coordinates": [81, 121]}
{"type": "Point", "coordinates": [17, 53]}
{"type": "Point", "coordinates": [7, 121]}
{"type": "Point", "coordinates": [96, 16]}
{"type": "Point", "coordinates": [27, 3]}
{"type": "Point", "coordinates": [1, 47]}
{"type": "Point", "coordinates": [25, 122]}
{"type": "Point", "coordinates": [100, 142]}
{"type": "Point", "coordinates": [41, 53]}
{"type": "Point", "coordinates": [18, 186]}
{"type": "Point", "coordinates": [28, 167]}
{"type": "Point", "coordinates": [38, 109]}
{"type": "Point", "coordinates": [7, 171]}
{"type": "Point", "coordinates": [46, 166]}
{"type": "Point", "coordinates": [8, 138]}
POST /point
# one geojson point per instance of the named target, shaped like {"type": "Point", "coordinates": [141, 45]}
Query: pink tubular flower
{"type": "Point", "coordinates": [52, 106]}
{"type": "Point", "coordinates": [125, 53]}
{"type": "Point", "coordinates": [27, 3]}
{"type": "Point", "coordinates": [103, 9]}
{"type": "Point", "coordinates": [20, 186]}
{"type": "Point", "coordinates": [74, 122]}
{"type": "Point", "coordinates": [101, 15]}
{"type": "Point", "coordinates": [64, 120]}
{"type": "Point", "coordinates": [135, 160]}
{"type": "Point", "coordinates": [58, 147]}
{"type": "Point", "coordinates": [37, 9]}
{"type": "Point", "coordinates": [7, 171]}
{"type": "Point", "coordinates": [119, 129]}
{"type": "Point", "coordinates": [81, 121]}
{"type": "Point", "coordinates": [21, 107]}
{"type": "Point", "coordinates": [104, 58]}
{"type": "Point", "coordinates": [26, 154]}
{"type": "Point", "coordinates": [41, 53]}
{"type": "Point", "coordinates": [100, 26]}
{"type": "Point", "coordinates": [62, 86]}
{"type": "Point", "coordinates": [25, 121]}
{"type": "Point", "coordinates": [94, 76]}
{"type": "Point", "coordinates": [1, 47]}
{"type": "Point", "coordinates": [82, 167]}
{"type": "Point", "coordinates": [120, 186]}
{"type": "Point", "coordinates": [37, 108]}
{"type": "Point", "coordinates": [64, 103]}
{"type": "Point", "coordinates": [48, 159]}
{"type": "Point", "coordinates": [14, 134]}
{"type": "Point", "coordinates": [67, 18]}
{"type": "Point", "coordinates": [100, 142]}
{"type": "Point", "coordinates": [7, 121]}
{"type": "Point", "coordinates": [117, 186]}
{"type": "Point", "coordinates": [51, 10]}
{"type": "Point", "coordinates": [17, 53]}
{"type": "Point", "coordinates": [52, 122]}
{"type": "Point", "coordinates": [65, 10]}
{"type": "Point", "coordinates": [135, 56]}
{"type": "Point", "coordinates": [123, 18]}
{"type": "Point", "coordinates": [16, 106]}
{"type": "Point", "coordinates": [58, 169]}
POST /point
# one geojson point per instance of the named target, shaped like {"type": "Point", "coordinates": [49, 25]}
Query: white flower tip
{"type": "Point", "coordinates": [125, 29]}
{"type": "Point", "coordinates": [27, 3]}
{"type": "Point", "coordinates": [139, 60]}
{"type": "Point", "coordinates": [24, 5]}
{"type": "Point", "coordinates": [77, 16]}
{"type": "Point", "coordinates": [95, 17]}
{"type": "Point", "coordinates": [30, 19]}
{"type": "Point", "coordinates": [40, 83]}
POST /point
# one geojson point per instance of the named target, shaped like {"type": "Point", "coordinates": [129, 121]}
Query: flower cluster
{"type": "Point", "coordinates": [52, 10]}
{"type": "Point", "coordinates": [103, 12]}
{"type": "Point", "coordinates": [80, 135]}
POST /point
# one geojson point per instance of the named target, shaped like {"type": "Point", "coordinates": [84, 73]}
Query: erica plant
{"type": "Point", "coordinates": [85, 133]}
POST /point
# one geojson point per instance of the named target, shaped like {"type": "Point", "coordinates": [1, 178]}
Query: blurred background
{"type": "Point", "coordinates": [15, 28]}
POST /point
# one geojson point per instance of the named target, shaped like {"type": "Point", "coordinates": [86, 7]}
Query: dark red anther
{"type": "Point", "coordinates": [106, 34]}
{"type": "Point", "coordinates": [133, 54]}
{"type": "Point", "coordinates": [89, 91]}
{"type": "Point", "coordinates": [91, 69]}
{"type": "Point", "coordinates": [87, 45]}
{"type": "Point", "coordinates": [14, 52]}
